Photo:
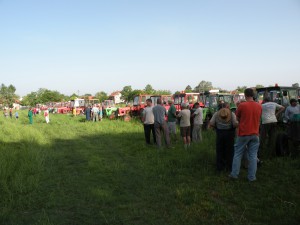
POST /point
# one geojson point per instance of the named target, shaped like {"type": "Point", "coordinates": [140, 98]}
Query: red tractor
{"type": "Point", "coordinates": [190, 98]}
{"type": "Point", "coordinates": [139, 102]}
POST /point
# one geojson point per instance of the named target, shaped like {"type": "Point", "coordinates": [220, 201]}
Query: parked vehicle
{"type": "Point", "coordinates": [287, 132]}
{"type": "Point", "coordinates": [211, 100]}
{"type": "Point", "coordinates": [190, 98]}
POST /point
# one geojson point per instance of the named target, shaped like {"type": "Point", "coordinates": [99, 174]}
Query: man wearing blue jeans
{"type": "Point", "coordinates": [248, 115]}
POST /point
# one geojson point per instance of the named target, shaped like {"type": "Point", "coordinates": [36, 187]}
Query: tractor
{"type": "Point", "coordinates": [211, 100]}
{"type": "Point", "coordinates": [287, 131]}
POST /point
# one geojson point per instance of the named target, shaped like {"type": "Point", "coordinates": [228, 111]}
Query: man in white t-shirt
{"type": "Point", "coordinates": [148, 120]}
{"type": "Point", "coordinates": [198, 121]}
{"type": "Point", "coordinates": [270, 112]}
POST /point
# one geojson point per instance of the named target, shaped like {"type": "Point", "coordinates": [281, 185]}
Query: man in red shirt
{"type": "Point", "coordinates": [248, 115]}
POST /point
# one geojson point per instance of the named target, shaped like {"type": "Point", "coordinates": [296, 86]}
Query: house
{"type": "Point", "coordinates": [116, 97]}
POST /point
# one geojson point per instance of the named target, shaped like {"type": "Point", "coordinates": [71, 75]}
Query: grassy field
{"type": "Point", "coordinates": [73, 172]}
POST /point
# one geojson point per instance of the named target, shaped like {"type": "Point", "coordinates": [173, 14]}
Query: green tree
{"type": "Point", "coordinates": [203, 86]}
{"type": "Point", "coordinates": [188, 89]}
{"type": "Point", "coordinates": [163, 92]}
{"type": "Point", "coordinates": [73, 96]}
{"type": "Point", "coordinates": [134, 93]}
{"type": "Point", "coordinates": [101, 95]}
{"type": "Point", "coordinates": [7, 95]}
{"type": "Point", "coordinates": [149, 90]}
{"type": "Point", "coordinates": [31, 99]}
{"type": "Point", "coordinates": [241, 89]}
{"type": "Point", "coordinates": [43, 96]}
{"type": "Point", "coordinates": [126, 92]}
{"type": "Point", "coordinates": [296, 85]}
{"type": "Point", "coordinates": [259, 86]}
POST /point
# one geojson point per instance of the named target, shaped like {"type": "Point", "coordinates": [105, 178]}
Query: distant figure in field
{"type": "Point", "coordinates": [34, 111]}
{"type": "Point", "coordinates": [88, 113]}
{"type": "Point", "coordinates": [95, 112]}
{"type": "Point", "coordinates": [17, 115]}
{"type": "Point", "coordinates": [46, 115]}
{"type": "Point", "coordinates": [148, 120]}
{"type": "Point", "coordinates": [248, 114]}
{"type": "Point", "coordinates": [30, 116]}
{"type": "Point", "coordinates": [185, 124]}
{"type": "Point", "coordinates": [10, 113]}
{"type": "Point", "coordinates": [5, 113]}
{"type": "Point", "coordinates": [100, 113]}
{"type": "Point", "coordinates": [160, 123]}
{"type": "Point", "coordinates": [172, 120]}
{"type": "Point", "coordinates": [224, 121]}
{"type": "Point", "coordinates": [198, 122]}
{"type": "Point", "coordinates": [74, 111]}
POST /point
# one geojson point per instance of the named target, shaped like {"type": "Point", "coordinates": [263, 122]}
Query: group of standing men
{"type": "Point", "coordinates": [247, 120]}
{"type": "Point", "coordinates": [93, 113]}
{"type": "Point", "coordinates": [154, 120]}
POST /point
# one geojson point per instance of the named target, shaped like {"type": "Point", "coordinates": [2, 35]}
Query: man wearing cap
{"type": "Point", "coordinates": [224, 122]}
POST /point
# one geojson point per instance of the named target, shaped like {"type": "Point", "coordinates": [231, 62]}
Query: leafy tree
{"type": "Point", "coordinates": [295, 85]}
{"type": "Point", "coordinates": [163, 92]}
{"type": "Point", "coordinates": [101, 96]}
{"type": "Point", "coordinates": [259, 86]}
{"type": "Point", "coordinates": [7, 95]}
{"type": "Point", "coordinates": [188, 89]}
{"type": "Point", "coordinates": [31, 99]}
{"type": "Point", "coordinates": [149, 90]}
{"type": "Point", "coordinates": [73, 96]}
{"type": "Point", "coordinates": [241, 89]}
{"type": "Point", "coordinates": [43, 96]}
{"type": "Point", "coordinates": [134, 93]}
{"type": "Point", "coordinates": [51, 96]}
{"type": "Point", "coordinates": [177, 92]}
{"type": "Point", "coordinates": [203, 86]}
{"type": "Point", "coordinates": [126, 92]}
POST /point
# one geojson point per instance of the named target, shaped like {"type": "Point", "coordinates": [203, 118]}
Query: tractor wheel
{"type": "Point", "coordinates": [282, 144]}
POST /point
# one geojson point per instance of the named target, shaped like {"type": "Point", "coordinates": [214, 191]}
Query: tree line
{"type": "Point", "coordinates": [44, 96]}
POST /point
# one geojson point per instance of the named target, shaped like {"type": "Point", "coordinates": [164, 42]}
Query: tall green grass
{"type": "Point", "coordinates": [76, 172]}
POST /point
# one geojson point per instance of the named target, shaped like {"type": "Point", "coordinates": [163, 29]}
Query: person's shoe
{"type": "Point", "coordinates": [232, 177]}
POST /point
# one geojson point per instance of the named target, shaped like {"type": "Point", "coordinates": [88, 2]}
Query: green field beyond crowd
{"type": "Point", "coordinates": [71, 172]}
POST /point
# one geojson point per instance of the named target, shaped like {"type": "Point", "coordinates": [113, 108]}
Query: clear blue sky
{"type": "Point", "coordinates": [104, 45]}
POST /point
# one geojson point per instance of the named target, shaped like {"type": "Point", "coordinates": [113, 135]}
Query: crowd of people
{"type": "Point", "coordinates": [239, 135]}
{"type": "Point", "coordinates": [243, 134]}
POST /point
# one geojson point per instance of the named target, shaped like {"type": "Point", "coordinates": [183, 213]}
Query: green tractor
{"type": "Point", "coordinates": [211, 101]}
{"type": "Point", "coordinates": [109, 108]}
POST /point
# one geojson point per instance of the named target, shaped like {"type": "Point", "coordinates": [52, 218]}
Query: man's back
{"type": "Point", "coordinates": [269, 111]}
{"type": "Point", "coordinates": [159, 114]}
{"type": "Point", "coordinates": [248, 115]}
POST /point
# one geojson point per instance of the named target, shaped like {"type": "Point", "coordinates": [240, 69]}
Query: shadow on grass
{"type": "Point", "coordinates": [115, 179]}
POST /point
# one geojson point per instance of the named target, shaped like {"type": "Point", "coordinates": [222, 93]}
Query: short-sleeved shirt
{"type": "Point", "coordinates": [185, 118]}
{"type": "Point", "coordinates": [159, 114]}
{"type": "Point", "coordinates": [198, 119]}
{"type": "Point", "coordinates": [148, 115]}
{"type": "Point", "coordinates": [269, 111]}
{"type": "Point", "coordinates": [248, 115]}
{"type": "Point", "coordinates": [291, 111]}
{"type": "Point", "coordinates": [221, 124]}
{"type": "Point", "coordinates": [95, 110]}
{"type": "Point", "coordinates": [172, 114]}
